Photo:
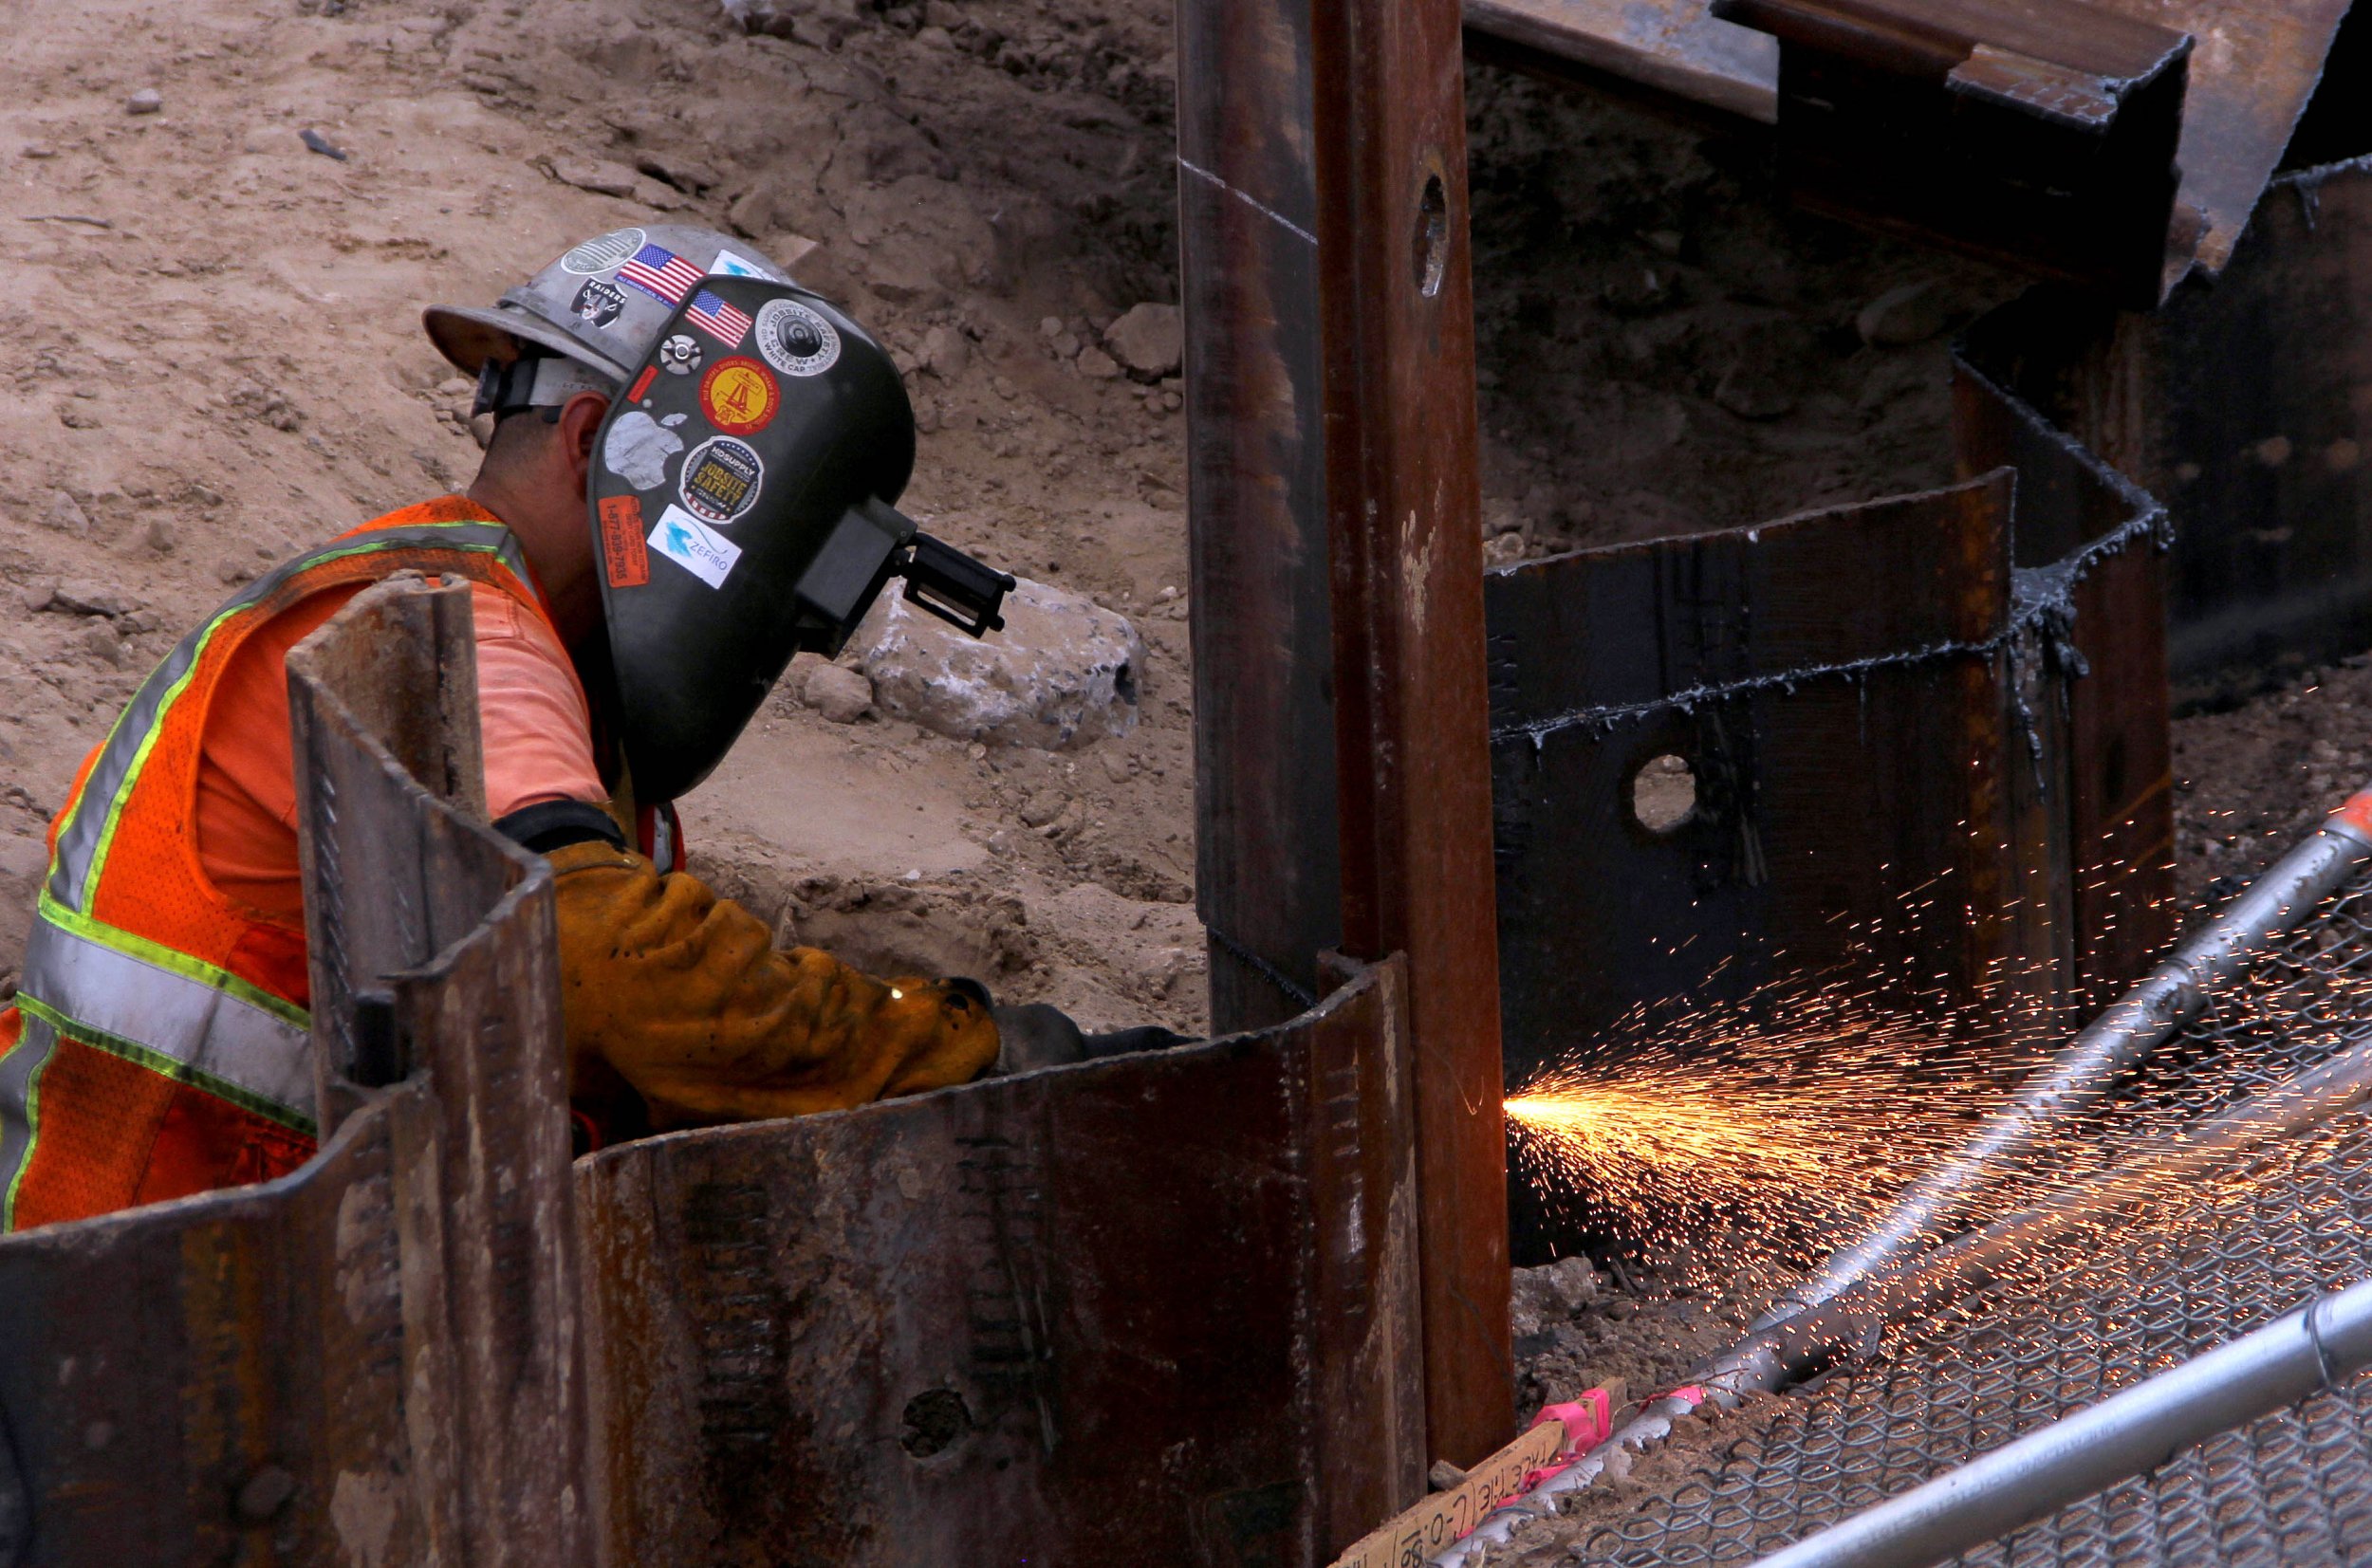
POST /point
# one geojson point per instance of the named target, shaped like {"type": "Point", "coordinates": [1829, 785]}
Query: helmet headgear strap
{"type": "Point", "coordinates": [545, 382]}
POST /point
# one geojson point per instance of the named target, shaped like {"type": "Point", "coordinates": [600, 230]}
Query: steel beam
{"type": "Point", "coordinates": [1337, 560]}
{"type": "Point", "coordinates": [1412, 707]}
{"type": "Point", "coordinates": [2259, 64]}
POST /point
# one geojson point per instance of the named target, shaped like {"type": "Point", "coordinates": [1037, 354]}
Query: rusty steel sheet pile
{"type": "Point", "coordinates": [2169, 1272]}
{"type": "Point", "coordinates": [1926, 737]}
{"type": "Point", "coordinates": [2050, 136]}
{"type": "Point", "coordinates": [1154, 1310]}
{"type": "Point", "coordinates": [2237, 403]}
{"type": "Point", "coordinates": [375, 1358]}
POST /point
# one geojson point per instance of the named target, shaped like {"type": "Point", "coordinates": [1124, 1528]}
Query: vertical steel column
{"type": "Point", "coordinates": [1329, 362]}
{"type": "Point", "coordinates": [1412, 704]}
{"type": "Point", "coordinates": [1266, 880]}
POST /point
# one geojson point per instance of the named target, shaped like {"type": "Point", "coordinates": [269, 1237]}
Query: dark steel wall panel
{"type": "Point", "coordinates": [1154, 1310]}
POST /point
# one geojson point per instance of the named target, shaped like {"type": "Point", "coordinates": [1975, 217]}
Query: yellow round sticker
{"type": "Point", "coordinates": [739, 396]}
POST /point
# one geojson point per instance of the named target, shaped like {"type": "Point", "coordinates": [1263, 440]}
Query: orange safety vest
{"type": "Point", "coordinates": [160, 1041]}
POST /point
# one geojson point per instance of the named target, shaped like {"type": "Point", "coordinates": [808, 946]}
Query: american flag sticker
{"type": "Point", "coordinates": [717, 319]}
{"type": "Point", "coordinates": [660, 273]}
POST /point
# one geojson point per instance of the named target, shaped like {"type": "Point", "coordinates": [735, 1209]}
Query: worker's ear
{"type": "Point", "coordinates": [580, 424]}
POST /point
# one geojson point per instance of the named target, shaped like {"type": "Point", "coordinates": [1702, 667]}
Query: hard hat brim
{"type": "Point", "coordinates": [468, 337]}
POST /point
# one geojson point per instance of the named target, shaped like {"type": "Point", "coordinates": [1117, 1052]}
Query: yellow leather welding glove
{"type": "Point", "coordinates": [685, 997]}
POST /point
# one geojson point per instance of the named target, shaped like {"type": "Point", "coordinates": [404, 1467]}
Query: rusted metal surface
{"type": "Point", "coordinates": [1411, 715]}
{"type": "Point", "coordinates": [2240, 404]}
{"type": "Point", "coordinates": [1928, 741]}
{"type": "Point", "coordinates": [1835, 685]}
{"type": "Point", "coordinates": [1267, 881]}
{"type": "Point", "coordinates": [2036, 132]}
{"type": "Point", "coordinates": [2255, 68]}
{"type": "Point", "coordinates": [1160, 1309]}
{"type": "Point", "coordinates": [371, 1361]}
{"type": "Point", "coordinates": [1336, 566]}
{"type": "Point", "coordinates": [2098, 808]}
{"type": "Point", "coordinates": [2257, 64]}
{"type": "Point", "coordinates": [1671, 47]}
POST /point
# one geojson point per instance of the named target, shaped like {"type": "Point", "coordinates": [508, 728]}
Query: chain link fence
{"type": "Point", "coordinates": [2174, 1274]}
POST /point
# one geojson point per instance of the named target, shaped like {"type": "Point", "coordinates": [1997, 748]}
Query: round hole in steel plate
{"type": "Point", "coordinates": [936, 1420]}
{"type": "Point", "coordinates": [1663, 793]}
{"type": "Point", "coordinates": [1431, 244]}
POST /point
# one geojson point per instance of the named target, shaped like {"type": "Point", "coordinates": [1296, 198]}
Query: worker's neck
{"type": "Point", "coordinates": [558, 551]}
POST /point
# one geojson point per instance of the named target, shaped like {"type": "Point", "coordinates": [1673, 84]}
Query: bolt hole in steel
{"type": "Point", "coordinates": [1663, 793]}
{"type": "Point", "coordinates": [1432, 247]}
{"type": "Point", "coordinates": [936, 1419]}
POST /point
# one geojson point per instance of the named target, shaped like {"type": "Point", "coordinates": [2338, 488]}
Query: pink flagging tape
{"type": "Point", "coordinates": [2357, 813]}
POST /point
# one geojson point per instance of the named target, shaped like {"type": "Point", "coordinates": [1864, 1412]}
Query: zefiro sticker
{"type": "Point", "coordinates": [623, 549]}
{"type": "Point", "coordinates": [739, 396]}
{"type": "Point", "coordinates": [721, 479]}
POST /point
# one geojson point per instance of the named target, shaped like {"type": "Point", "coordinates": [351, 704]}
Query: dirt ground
{"type": "Point", "coordinates": [213, 334]}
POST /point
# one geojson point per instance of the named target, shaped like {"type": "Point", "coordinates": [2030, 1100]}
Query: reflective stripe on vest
{"type": "Point", "coordinates": [118, 991]}
{"type": "Point", "coordinates": [82, 842]}
{"type": "Point", "coordinates": [254, 1055]}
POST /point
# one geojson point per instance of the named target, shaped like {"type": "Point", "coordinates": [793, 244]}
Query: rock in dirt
{"type": "Point", "coordinates": [1756, 389]}
{"type": "Point", "coordinates": [148, 101]}
{"type": "Point", "coordinates": [23, 859]}
{"type": "Point", "coordinates": [841, 695]}
{"type": "Point", "coordinates": [1149, 340]}
{"type": "Point", "coordinates": [101, 640]}
{"type": "Point", "coordinates": [77, 598]}
{"type": "Point", "coordinates": [1542, 1297]}
{"type": "Point", "coordinates": [1899, 317]}
{"type": "Point", "coordinates": [1063, 673]}
{"type": "Point", "coordinates": [946, 352]}
{"type": "Point", "coordinates": [65, 514]}
{"type": "Point", "coordinates": [599, 175]}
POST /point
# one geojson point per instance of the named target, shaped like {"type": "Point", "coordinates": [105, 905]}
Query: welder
{"type": "Point", "coordinates": [690, 479]}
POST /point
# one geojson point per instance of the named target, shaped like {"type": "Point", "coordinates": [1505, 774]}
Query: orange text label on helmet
{"type": "Point", "coordinates": [623, 551]}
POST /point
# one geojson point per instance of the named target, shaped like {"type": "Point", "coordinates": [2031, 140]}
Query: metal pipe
{"type": "Point", "coordinates": [2142, 1019]}
{"type": "Point", "coordinates": [2124, 1435]}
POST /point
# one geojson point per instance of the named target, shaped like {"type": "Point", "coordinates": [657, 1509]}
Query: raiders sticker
{"type": "Point", "coordinates": [682, 354]}
{"type": "Point", "coordinates": [795, 340]}
{"type": "Point", "coordinates": [739, 397]}
{"type": "Point", "coordinates": [621, 541]}
{"type": "Point", "coordinates": [597, 302]}
{"type": "Point", "coordinates": [694, 546]}
{"type": "Point", "coordinates": [721, 479]}
{"type": "Point", "coordinates": [601, 254]}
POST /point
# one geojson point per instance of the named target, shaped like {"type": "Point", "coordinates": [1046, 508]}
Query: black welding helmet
{"type": "Point", "coordinates": [740, 503]}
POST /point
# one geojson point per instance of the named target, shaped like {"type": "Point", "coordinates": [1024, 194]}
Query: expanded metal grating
{"type": "Point", "coordinates": [2169, 1279]}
